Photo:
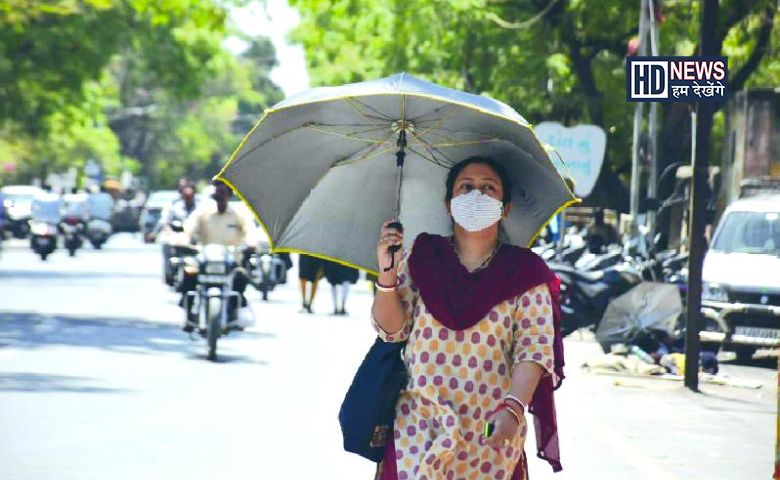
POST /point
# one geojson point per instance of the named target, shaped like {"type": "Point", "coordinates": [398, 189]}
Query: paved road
{"type": "Point", "coordinates": [98, 382]}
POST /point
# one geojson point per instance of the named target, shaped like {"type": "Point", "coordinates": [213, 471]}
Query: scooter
{"type": "Point", "coordinates": [73, 221]}
{"type": "Point", "coordinates": [266, 270]}
{"type": "Point", "coordinates": [72, 229]}
{"type": "Point", "coordinates": [43, 239]}
{"type": "Point", "coordinates": [43, 224]}
{"type": "Point", "coordinates": [98, 231]}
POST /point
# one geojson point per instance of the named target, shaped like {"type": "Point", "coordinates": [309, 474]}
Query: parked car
{"type": "Point", "coordinates": [17, 203]}
{"type": "Point", "coordinates": [741, 278]}
{"type": "Point", "coordinates": [150, 214]}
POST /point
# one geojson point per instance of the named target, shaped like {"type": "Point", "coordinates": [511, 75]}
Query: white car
{"type": "Point", "coordinates": [153, 208]}
{"type": "Point", "coordinates": [741, 278]}
{"type": "Point", "coordinates": [17, 204]}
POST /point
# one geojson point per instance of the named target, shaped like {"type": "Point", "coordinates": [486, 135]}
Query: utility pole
{"type": "Point", "coordinates": [638, 114]}
{"type": "Point", "coordinates": [700, 152]}
{"type": "Point", "coordinates": [652, 181]}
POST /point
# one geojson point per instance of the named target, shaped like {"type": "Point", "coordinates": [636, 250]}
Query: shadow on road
{"type": "Point", "coordinates": [42, 383]}
{"type": "Point", "coordinates": [122, 335]}
{"type": "Point", "coordinates": [65, 275]}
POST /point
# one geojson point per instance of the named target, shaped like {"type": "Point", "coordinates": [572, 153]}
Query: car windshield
{"type": "Point", "coordinates": [749, 232]}
{"type": "Point", "coordinates": [162, 198]}
{"type": "Point", "coordinates": [17, 197]}
{"type": "Point", "coordinates": [47, 210]}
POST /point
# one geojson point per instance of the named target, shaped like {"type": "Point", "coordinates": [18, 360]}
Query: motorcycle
{"type": "Point", "coordinates": [73, 222]}
{"type": "Point", "coordinates": [72, 229]}
{"type": "Point", "coordinates": [98, 231]}
{"type": "Point", "coordinates": [586, 294]}
{"type": "Point", "coordinates": [17, 224]}
{"type": "Point", "coordinates": [266, 270]}
{"type": "Point", "coordinates": [43, 239]}
{"type": "Point", "coordinates": [213, 305]}
{"type": "Point", "coordinates": [174, 254]}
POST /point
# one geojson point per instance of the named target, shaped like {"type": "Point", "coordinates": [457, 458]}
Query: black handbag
{"type": "Point", "coordinates": [368, 411]}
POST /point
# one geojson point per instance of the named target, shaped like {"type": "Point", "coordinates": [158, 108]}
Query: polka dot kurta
{"type": "Point", "coordinates": [458, 379]}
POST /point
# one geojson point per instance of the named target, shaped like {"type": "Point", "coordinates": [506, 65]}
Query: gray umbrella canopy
{"type": "Point", "coordinates": [319, 169]}
{"type": "Point", "coordinates": [647, 306]}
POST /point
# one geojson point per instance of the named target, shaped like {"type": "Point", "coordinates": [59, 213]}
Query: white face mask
{"type": "Point", "coordinates": [475, 211]}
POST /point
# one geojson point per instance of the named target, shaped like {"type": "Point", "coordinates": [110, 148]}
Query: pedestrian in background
{"type": "Point", "coordinates": [310, 271]}
{"type": "Point", "coordinates": [340, 278]}
{"type": "Point", "coordinates": [479, 318]}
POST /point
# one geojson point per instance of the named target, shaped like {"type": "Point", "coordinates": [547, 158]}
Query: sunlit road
{"type": "Point", "coordinates": [98, 382]}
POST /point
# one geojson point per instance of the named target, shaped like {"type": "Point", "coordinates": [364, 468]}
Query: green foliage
{"type": "Point", "coordinates": [550, 59]}
{"type": "Point", "coordinates": [137, 85]}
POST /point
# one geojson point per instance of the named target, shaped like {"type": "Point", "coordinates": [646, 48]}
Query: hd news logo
{"type": "Point", "coordinates": [676, 79]}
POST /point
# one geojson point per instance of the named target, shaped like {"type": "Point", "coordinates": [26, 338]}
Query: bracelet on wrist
{"type": "Point", "coordinates": [386, 288]}
{"type": "Point", "coordinates": [512, 398]}
{"type": "Point", "coordinates": [509, 409]}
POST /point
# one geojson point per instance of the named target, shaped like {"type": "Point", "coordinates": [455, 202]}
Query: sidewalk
{"type": "Point", "coordinates": [618, 427]}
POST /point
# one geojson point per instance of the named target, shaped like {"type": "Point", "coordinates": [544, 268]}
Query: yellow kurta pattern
{"type": "Point", "coordinates": [458, 379]}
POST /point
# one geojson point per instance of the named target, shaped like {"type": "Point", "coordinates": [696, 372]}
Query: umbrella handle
{"type": "Point", "coordinates": [392, 249]}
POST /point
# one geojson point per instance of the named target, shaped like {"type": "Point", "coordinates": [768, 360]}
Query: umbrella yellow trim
{"type": "Point", "coordinates": [233, 156]}
{"type": "Point", "coordinates": [325, 257]}
{"type": "Point", "coordinates": [559, 210]}
{"type": "Point", "coordinates": [249, 206]}
{"type": "Point", "coordinates": [284, 249]}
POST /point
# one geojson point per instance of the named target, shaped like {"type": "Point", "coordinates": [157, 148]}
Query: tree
{"type": "Point", "coordinates": [132, 84]}
{"type": "Point", "coordinates": [49, 50]}
{"type": "Point", "coordinates": [747, 31]}
{"type": "Point", "coordinates": [551, 59]}
{"type": "Point", "coordinates": [173, 137]}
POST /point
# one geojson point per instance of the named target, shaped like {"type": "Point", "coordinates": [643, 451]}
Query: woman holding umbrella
{"type": "Point", "coordinates": [478, 318]}
{"type": "Point", "coordinates": [478, 314]}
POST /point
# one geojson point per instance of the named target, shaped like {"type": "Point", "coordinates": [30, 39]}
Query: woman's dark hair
{"type": "Point", "coordinates": [506, 183]}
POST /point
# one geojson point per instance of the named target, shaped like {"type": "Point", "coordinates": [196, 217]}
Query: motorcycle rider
{"type": "Point", "coordinates": [219, 223]}
{"type": "Point", "coordinates": [100, 208]}
{"type": "Point", "coordinates": [175, 213]}
{"type": "Point", "coordinates": [600, 234]}
{"type": "Point", "coordinates": [100, 204]}
{"type": "Point", "coordinates": [179, 210]}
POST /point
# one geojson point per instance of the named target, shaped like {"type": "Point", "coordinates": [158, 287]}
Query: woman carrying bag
{"type": "Point", "coordinates": [479, 318]}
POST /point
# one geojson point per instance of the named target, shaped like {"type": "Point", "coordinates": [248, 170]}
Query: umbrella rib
{"type": "Point", "coordinates": [356, 132]}
{"type": "Point", "coordinates": [249, 151]}
{"type": "Point", "coordinates": [433, 148]}
{"type": "Point", "coordinates": [457, 131]}
{"type": "Point", "coordinates": [439, 121]}
{"type": "Point", "coordinates": [267, 140]}
{"type": "Point", "coordinates": [462, 144]}
{"type": "Point", "coordinates": [420, 119]}
{"type": "Point", "coordinates": [345, 135]}
{"type": "Point", "coordinates": [366, 156]}
{"type": "Point", "coordinates": [379, 127]}
{"type": "Point", "coordinates": [352, 101]}
{"type": "Point", "coordinates": [430, 158]}
{"type": "Point", "coordinates": [370, 153]}
{"type": "Point", "coordinates": [430, 151]}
